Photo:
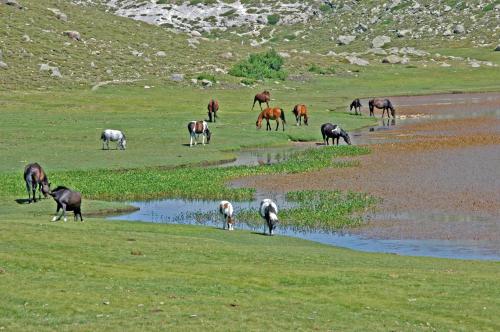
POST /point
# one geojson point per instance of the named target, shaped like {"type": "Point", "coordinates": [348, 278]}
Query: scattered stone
{"type": "Point", "coordinates": [331, 53]}
{"type": "Point", "coordinates": [58, 14]}
{"type": "Point", "coordinates": [394, 59]}
{"type": "Point", "coordinates": [447, 8]}
{"type": "Point", "coordinates": [75, 35]}
{"type": "Point", "coordinates": [345, 40]}
{"type": "Point", "coordinates": [177, 77]}
{"type": "Point", "coordinates": [361, 27]}
{"type": "Point", "coordinates": [380, 41]}
{"type": "Point", "coordinates": [403, 33]}
{"type": "Point", "coordinates": [12, 3]}
{"type": "Point", "coordinates": [284, 54]}
{"type": "Point", "coordinates": [444, 64]}
{"type": "Point", "coordinates": [497, 49]}
{"type": "Point", "coordinates": [55, 72]}
{"type": "Point", "coordinates": [161, 54]}
{"type": "Point", "coordinates": [459, 29]}
{"type": "Point", "coordinates": [44, 67]}
{"type": "Point", "coordinates": [447, 33]}
{"type": "Point", "coordinates": [354, 60]}
{"type": "Point", "coordinates": [3, 65]}
{"type": "Point", "coordinates": [206, 83]}
{"type": "Point", "coordinates": [26, 38]}
{"type": "Point", "coordinates": [474, 64]}
{"type": "Point", "coordinates": [194, 81]}
{"type": "Point", "coordinates": [227, 55]}
{"type": "Point", "coordinates": [109, 71]}
{"type": "Point", "coordinates": [377, 51]}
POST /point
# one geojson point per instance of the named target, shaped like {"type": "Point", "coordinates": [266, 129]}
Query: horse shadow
{"type": "Point", "coordinates": [259, 233]}
{"type": "Point", "coordinates": [27, 201]}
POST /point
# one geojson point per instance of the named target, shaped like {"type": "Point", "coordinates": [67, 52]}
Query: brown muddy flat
{"type": "Point", "coordinates": [439, 177]}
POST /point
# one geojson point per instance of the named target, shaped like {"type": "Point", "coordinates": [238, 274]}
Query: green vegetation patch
{"type": "Point", "coordinates": [273, 19]}
{"type": "Point", "coordinates": [261, 66]}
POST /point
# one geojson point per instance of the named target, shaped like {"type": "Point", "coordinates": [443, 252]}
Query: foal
{"type": "Point", "coordinates": [226, 211]}
{"type": "Point", "coordinates": [197, 128]}
{"type": "Point", "coordinates": [356, 104]}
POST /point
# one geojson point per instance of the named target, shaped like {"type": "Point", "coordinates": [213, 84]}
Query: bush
{"type": "Point", "coordinates": [260, 66]}
{"type": "Point", "coordinates": [206, 76]}
{"type": "Point", "coordinates": [273, 19]}
{"type": "Point", "coordinates": [248, 81]}
{"type": "Point", "coordinates": [322, 71]}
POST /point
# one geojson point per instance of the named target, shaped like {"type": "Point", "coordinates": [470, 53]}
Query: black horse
{"type": "Point", "coordinates": [383, 104]}
{"type": "Point", "coordinates": [35, 176]}
{"type": "Point", "coordinates": [332, 131]}
{"type": "Point", "coordinates": [356, 104]}
{"type": "Point", "coordinates": [67, 200]}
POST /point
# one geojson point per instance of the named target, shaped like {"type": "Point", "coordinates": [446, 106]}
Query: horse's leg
{"type": "Point", "coordinates": [203, 139]}
{"type": "Point", "coordinates": [297, 119]}
{"type": "Point", "coordinates": [283, 125]}
{"type": "Point", "coordinates": [191, 140]}
{"type": "Point", "coordinates": [64, 212]}
{"type": "Point", "coordinates": [278, 125]}
{"type": "Point", "coordinates": [39, 191]}
{"type": "Point", "coordinates": [55, 218]}
{"type": "Point", "coordinates": [268, 125]}
{"type": "Point", "coordinates": [260, 104]}
{"type": "Point", "coordinates": [33, 190]}
{"type": "Point", "coordinates": [267, 103]}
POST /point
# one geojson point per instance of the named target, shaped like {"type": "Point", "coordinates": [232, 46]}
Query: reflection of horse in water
{"type": "Point", "coordinates": [263, 97]}
{"type": "Point", "coordinates": [213, 107]}
{"type": "Point", "coordinates": [332, 131]}
{"type": "Point", "coordinates": [275, 113]}
{"type": "Point", "coordinates": [300, 112]}
{"type": "Point", "coordinates": [356, 104]}
{"type": "Point", "coordinates": [383, 104]}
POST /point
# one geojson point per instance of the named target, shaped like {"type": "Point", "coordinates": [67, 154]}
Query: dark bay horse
{"type": "Point", "coordinates": [383, 104]}
{"type": "Point", "coordinates": [263, 97]}
{"type": "Point", "coordinates": [300, 110]}
{"type": "Point", "coordinates": [67, 200]}
{"type": "Point", "coordinates": [34, 175]}
{"type": "Point", "coordinates": [356, 104]}
{"type": "Point", "coordinates": [332, 131]}
{"type": "Point", "coordinates": [275, 113]}
{"type": "Point", "coordinates": [213, 107]}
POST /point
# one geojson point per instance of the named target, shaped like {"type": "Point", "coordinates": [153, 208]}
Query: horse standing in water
{"type": "Point", "coordinates": [356, 104]}
{"type": "Point", "coordinates": [269, 212]}
{"type": "Point", "coordinates": [300, 111]}
{"type": "Point", "coordinates": [67, 200]}
{"type": "Point", "coordinates": [197, 128]}
{"type": "Point", "coordinates": [383, 104]}
{"type": "Point", "coordinates": [115, 136]}
{"type": "Point", "coordinates": [332, 131]}
{"type": "Point", "coordinates": [263, 97]}
{"type": "Point", "coordinates": [227, 212]}
{"type": "Point", "coordinates": [271, 114]}
{"type": "Point", "coordinates": [213, 107]}
{"type": "Point", "coordinates": [34, 176]}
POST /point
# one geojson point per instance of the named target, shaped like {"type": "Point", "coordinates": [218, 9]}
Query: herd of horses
{"type": "Point", "coordinates": [69, 200]}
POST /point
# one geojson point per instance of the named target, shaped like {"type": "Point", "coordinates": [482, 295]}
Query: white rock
{"type": "Point", "coordinates": [354, 60]}
{"type": "Point", "coordinates": [3, 65]}
{"type": "Point", "coordinates": [177, 77]}
{"type": "Point", "coordinates": [161, 54]}
{"type": "Point", "coordinates": [284, 54]}
{"type": "Point", "coordinates": [345, 39]}
{"type": "Point", "coordinates": [55, 73]}
{"type": "Point", "coordinates": [380, 41]}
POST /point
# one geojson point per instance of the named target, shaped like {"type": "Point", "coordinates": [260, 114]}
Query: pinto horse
{"type": "Point", "coordinates": [275, 113]}
{"type": "Point", "coordinates": [227, 212]}
{"type": "Point", "coordinates": [383, 104]}
{"type": "Point", "coordinates": [300, 111]}
{"type": "Point", "coordinates": [263, 97]}
{"type": "Point", "coordinates": [269, 212]}
{"type": "Point", "coordinates": [332, 131]}
{"type": "Point", "coordinates": [34, 175]}
{"type": "Point", "coordinates": [356, 104]}
{"type": "Point", "coordinates": [213, 107]}
{"type": "Point", "coordinates": [197, 128]}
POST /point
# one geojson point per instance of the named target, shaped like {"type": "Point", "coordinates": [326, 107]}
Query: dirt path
{"type": "Point", "coordinates": [439, 178]}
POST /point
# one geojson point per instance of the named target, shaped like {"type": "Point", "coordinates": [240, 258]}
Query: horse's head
{"type": "Point", "coordinates": [123, 143]}
{"type": "Point", "coordinates": [267, 93]}
{"type": "Point", "coordinates": [258, 123]}
{"type": "Point", "coordinates": [393, 112]}
{"type": "Point", "coordinates": [346, 137]}
{"type": "Point", "coordinates": [45, 188]}
{"type": "Point", "coordinates": [208, 134]}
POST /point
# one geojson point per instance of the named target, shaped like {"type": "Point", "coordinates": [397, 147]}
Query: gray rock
{"type": "Point", "coordinates": [26, 38]}
{"type": "Point", "coordinates": [459, 29]}
{"type": "Point", "coordinates": [206, 83]}
{"type": "Point", "coordinates": [447, 33]}
{"type": "Point", "coordinates": [194, 81]}
{"type": "Point", "coordinates": [447, 8]}
{"type": "Point", "coordinates": [3, 65]}
{"type": "Point", "coordinates": [75, 35]}
{"type": "Point", "coordinates": [161, 54]}
{"type": "Point", "coordinates": [497, 49]}
{"type": "Point", "coordinates": [354, 60]}
{"type": "Point", "coordinates": [394, 59]}
{"type": "Point", "coordinates": [345, 40]}
{"type": "Point", "coordinates": [177, 77]}
{"type": "Point", "coordinates": [58, 14]}
{"type": "Point", "coordinates": [474, 64]}
{"type": "Point", "coordinates": [227, 55]}
{"type": "Point", "coordinates": [361, 27]}
{"type": "Point", "coordinates": [380, 41]}
{"type": "Point", "coordinates": [284, 54]}
{"type": "Point", "coordinates": [195, 33]}
{"type": "Point", "coordinates": [403, 33]}
{"type": "Point", "coordinates": [12, 3]}
{"type": "Point", "coordinates": [44, 67]}
{"type": "Point", "coordinates": [55, 72]}
{"type": "Point", "coordinates": [377, 51]}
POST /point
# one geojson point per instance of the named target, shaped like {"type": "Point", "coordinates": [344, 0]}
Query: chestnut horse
{"type": "Point", "coordinates": [35, 176]}
{"type": "Point", "coordinates": [383, 104]}
{"type": "Point", "coordinates": [275, 113]}
{"type": "Point", "coordinates": [356, 104]}
{"type": "Point", "coordinates": [263, 97]}
{"type": "Point", "coordinates": [300, 110]}
{"type": "Point", "coordinates": [213, 107]}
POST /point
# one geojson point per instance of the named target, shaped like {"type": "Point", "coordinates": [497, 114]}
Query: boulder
{"type": "Point", "coordinates": [458, 29]}
{"type": "Point", "coordinates": [195, 33]}
{"type": "Point", "coordinates": [12, 3]}
{"type": "Point", "coordinates": [394, 59]}
{"type": "Point", "coordinates": [55, 72]}
{"type": "Point", "coordinates": [345, 40]}
{"type": "Point", "coordinates": [284, 54]}
{"type": "Point", "coordinates": [3, 65]}
{"type": "Point", "coordinates": [354, 60]}
{"type": "Point", "coordinates": [177, 77]}
{"type": "Point", "coordinates": [227, 55]}
{"type": "Point", "coordinates": [403, 33]}
{"type": "Point", "coordinates": [75, 35]}
{"type": "Point", "coordinates": [206, 83]}
{"type": "Point", "coordinates": [44, 67]}
{"type": "Point", "coordinates": [380, 41]}
{"type": "Point", "coordinates": [58, 14]}
{"type": "Point", "coordinates": [497, 49]}
{"type": "Point", "coordinates": [161, 54]}
{"type": "Point", "coordinates": [26, 38]}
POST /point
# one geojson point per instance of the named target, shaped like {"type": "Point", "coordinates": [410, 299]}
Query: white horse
{"type": "Point", "coordinates": [197, 128]}
{"type": "Point", "coordinates": [269, 211]}
{"type": "Point", "coordinates": [115, 136]}
{"type": "Point", "coordinates": [226, 211]}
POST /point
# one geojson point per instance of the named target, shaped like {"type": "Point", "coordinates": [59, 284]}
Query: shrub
{"type": "Point", "coordinates": [273, 19]}
{"type": "Point", "coordinates": [322, 71]}
{"type": "Point", "coordinates": [206, 76]}
{"type": "Point", "coordinates": [248, 81]}
{"type": "Point", "coordinates": [260, 66]}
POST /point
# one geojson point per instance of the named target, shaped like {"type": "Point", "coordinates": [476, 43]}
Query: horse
{"type": "Point", "coordinates": [332, 131]}
{"type": "Point", "coordinates": [384, 104]}
{"type": "Point", "coordinates": [67, 200]}
{"type": "Point", "coordinates": [34, 176]}
{"type": "Point", "coordinates": [197, 128]}
{"type": "Point", "coordinates": [300, 111]}
{"type": "Point", "coordinates": [356, 104]}
{"type": "Point", "coordinates": [213, 107]}
{"type": "Point", "coordinates": [269, 212]}
{"type": "Point", "coordinates": [271, 114]}
{"type": "Point", "coordinates": [115, 136]}
{"type": "Point", "coordinates": [226, 211]}
{"type": "Point", "coordinates": [263, 97]}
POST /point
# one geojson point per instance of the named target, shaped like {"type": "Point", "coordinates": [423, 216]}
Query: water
{"type": "Point", "coordinates": [205, 213]}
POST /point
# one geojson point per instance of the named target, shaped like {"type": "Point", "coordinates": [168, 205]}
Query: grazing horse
{"type": "Point", "coordinates": [213, 107]}
{"type": "Point", "coordinates": [271, 114]}
{"type": "Point", "coordinates": [226, 211]}
{"type": "Point", "coordinates": [332, 131]}
{"type": "Point", "coordinates": [384, 104]}
{"type": "Point", "coordinates": [115, 136]}
{"type": "Point", "coordinates": [263, 97]}
{"type": "Point", "coordinates": [300, 111]}
{"type": "Point", "coordinates": [197, 128]}
{"type": "Point", "coordinates": [34, 175]}
{"type": "Point", "coordinates": [356, 104]}
{"type": "Point", "coordinates": [269, 211]}
{"type": "Point", "coordinates": [67, 200]}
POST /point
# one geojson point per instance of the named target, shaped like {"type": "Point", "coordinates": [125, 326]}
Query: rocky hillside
{"type": "Point", "coordinates": [47, 43]}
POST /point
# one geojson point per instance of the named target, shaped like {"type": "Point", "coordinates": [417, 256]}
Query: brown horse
{"type": "Point", "coordinates": [300, 110]}
{"type": "Point", "coordinates": [213, 107]}
{"type": "Point", "coordinates": [275, 113]}
{"type": "Point", "coordinates": [35, 176]}
{"type": "Point", "coordinates": [263, 97]}
{"type": "Point", "coordinates": [383, 104]}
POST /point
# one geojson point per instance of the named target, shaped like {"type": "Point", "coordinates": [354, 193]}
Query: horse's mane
{"type": "Point", "coordinates": [60, 188]}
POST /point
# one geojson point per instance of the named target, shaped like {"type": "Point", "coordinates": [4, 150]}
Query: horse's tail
{"type": "Point", "coordinates": [282, 115]}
